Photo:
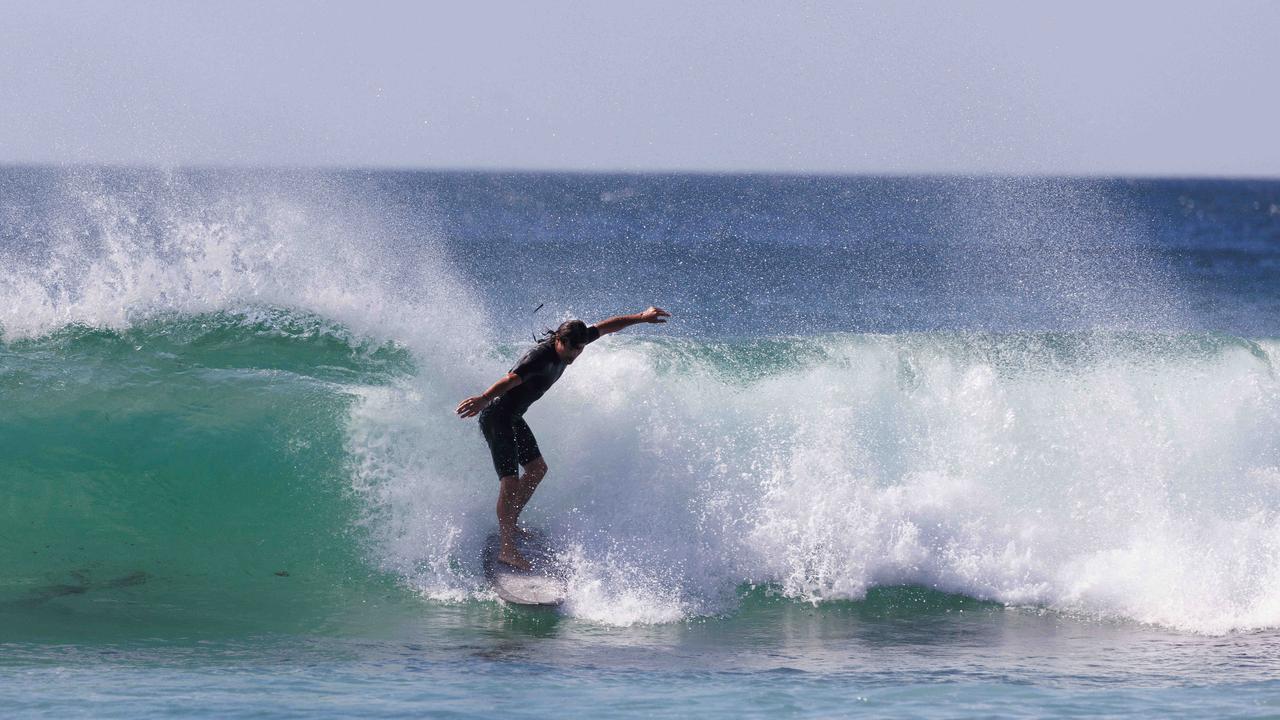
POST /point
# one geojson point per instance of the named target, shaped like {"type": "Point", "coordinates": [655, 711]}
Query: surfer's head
{"type": "Point", "coordinates": [570, 338]}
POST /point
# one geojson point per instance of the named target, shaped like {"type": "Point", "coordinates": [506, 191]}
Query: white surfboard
{"type": "Point", "coordinates": [544, 584]}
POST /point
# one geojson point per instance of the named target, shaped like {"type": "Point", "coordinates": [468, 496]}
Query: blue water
{"type": "Point", "coordinates": [934, 447]}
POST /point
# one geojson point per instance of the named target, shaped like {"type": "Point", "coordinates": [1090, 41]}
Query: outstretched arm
{"type": "Point", "coordinates": [614, 324]}
{"type": "Point", "coordinates": [473, 405]}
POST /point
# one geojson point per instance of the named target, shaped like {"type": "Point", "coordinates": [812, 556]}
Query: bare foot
{"type": "Point", "coordinates": [525, 533]}
{"type": "Point", "coordinates": [512, 557]}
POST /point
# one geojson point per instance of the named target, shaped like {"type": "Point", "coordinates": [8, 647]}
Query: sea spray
{"type": "Point", "coordinates": [107, 249]}
{"type": "Point", "coordinates": [181, 354]}
{"type": "Point", "coordinates": [1091, 473]}
{"type": "Point", "coordinates": [213, 375]}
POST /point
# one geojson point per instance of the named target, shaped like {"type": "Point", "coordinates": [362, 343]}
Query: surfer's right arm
{"type": "Point", "coordinates": [473, 405]}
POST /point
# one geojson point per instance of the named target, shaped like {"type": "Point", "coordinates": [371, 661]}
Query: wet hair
{"type": "Point", "coordinates": [572, 332]}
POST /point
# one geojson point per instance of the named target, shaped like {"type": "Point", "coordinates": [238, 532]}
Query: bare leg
{"type": "Point", "coordinates": [508, 510]}
{"type": "Point", "coordinates": [533, 474]}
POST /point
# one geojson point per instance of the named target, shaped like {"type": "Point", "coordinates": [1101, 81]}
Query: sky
{"type": "Point", "coordinates": [1066, 88]}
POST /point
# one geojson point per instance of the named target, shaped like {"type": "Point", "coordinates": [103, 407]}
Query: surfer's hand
{"type": "Point", "coordinates": [472, 406]}
{"type": "Point", "coordinates": [654, 315]}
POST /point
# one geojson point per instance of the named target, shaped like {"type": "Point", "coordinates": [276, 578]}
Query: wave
{"type": "Point", "coordinates": [1108, 475]}
{"type": "Point", "coordinates": [240, 382]}
{"type": "Point", "coordinates": [195, 462]}
{"type": "Point", "coordinates": [179, 354]}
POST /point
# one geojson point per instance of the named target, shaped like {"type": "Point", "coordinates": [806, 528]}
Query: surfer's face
{"type": "Point", "coordinates": [567, 352]}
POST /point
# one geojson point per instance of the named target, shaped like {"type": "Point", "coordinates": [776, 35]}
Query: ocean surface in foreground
{"type": "Point", "coordinates": [935, 447]}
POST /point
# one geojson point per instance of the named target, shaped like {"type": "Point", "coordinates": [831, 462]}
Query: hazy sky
{"type": "Point", "coordinates": [1012, 87]}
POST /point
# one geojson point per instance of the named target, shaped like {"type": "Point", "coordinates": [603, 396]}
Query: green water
{"type": "Point", "coordinates": [182, 538]}
{"type": "Point", "coordinates": [184, 473]}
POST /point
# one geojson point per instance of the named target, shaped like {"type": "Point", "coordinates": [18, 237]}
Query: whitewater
{"type": "Point", "coordinates": [228, 400]}
{"type": "Point", "coordinates": [1109, 472]}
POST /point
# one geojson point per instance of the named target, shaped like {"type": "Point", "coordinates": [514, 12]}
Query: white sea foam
{"type": "Point", "coordinates": [1131, 477]}
{"type": "Point", "coordinates": [107, 256]}
{"type": "Point", "coordinates": [1134, 482]}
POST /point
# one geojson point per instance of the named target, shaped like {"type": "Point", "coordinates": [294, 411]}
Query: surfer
{"type": "Point", "coordinates": [502, 407]}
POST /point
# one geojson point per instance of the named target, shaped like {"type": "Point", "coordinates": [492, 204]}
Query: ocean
{"type": "Point", "coordinates": [908, 446]}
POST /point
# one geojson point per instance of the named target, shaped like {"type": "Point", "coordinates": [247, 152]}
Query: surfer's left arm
{"type": "Point", "coordinates": [616, 323]}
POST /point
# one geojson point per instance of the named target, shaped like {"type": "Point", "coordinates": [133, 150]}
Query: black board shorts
{"type": "Point", "coordinates": [511, 442]}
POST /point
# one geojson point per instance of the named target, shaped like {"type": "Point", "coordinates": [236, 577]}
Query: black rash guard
{"type": "Point", "coordinates": [538, 370]}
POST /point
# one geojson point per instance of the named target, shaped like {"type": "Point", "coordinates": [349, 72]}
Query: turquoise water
{"type": "Point", "coordinates": [902, 651]}
{"type": "Point", "coordinates": [1046, 483]}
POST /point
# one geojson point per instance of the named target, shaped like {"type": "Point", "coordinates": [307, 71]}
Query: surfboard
{"type": "Point", "coordinates": [543, 584]}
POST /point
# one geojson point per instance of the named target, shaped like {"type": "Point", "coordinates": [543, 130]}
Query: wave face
{"type": "Point", "coordinates": [195, 461]}
{"type": "Point", "coordinates": [226, 395]}
{"type": "Point", "coordinates": [180, 355]}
